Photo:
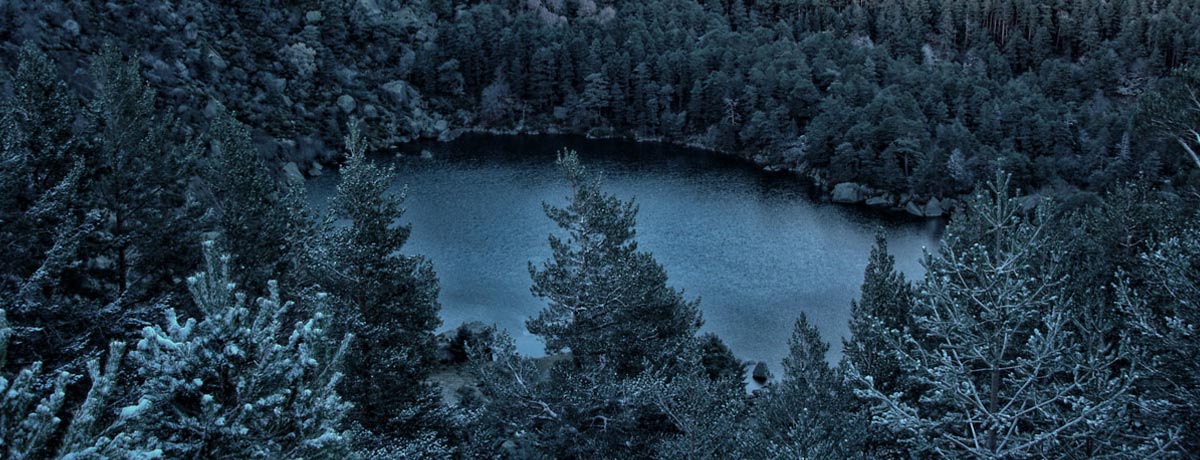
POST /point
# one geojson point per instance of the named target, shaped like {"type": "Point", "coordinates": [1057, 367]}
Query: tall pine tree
{"type": "Point", "coordinates": [137, 176]}
{"type": "Point", "coordinates": [264, 223]}
{"type": "Point", "coordinates": [998, 369]}
{"type": "Point", "coordinates": [42, 175]}
{"type": "Point", "coordinates": [609, 303]}
{"type": "Point", "coordinates": [389, 299]}
{"type": "Point", "coordinates": [878, 320]}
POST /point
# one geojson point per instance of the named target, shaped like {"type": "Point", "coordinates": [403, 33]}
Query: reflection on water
{"type": "Point", "coordinates": [753, 246]}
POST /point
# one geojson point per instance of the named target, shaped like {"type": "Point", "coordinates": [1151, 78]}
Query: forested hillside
{"type": "Point", "coordinates": [166, 291]}
{"type": "Point", "coordinates": [904, 100]}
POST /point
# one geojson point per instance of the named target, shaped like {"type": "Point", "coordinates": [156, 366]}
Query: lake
{"type": "Point", "coordinates": [755, 247]}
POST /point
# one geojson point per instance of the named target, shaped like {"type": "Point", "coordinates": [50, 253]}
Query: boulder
{"type": "Point", "coordinates": [316, 169]}
{"type": "Point", "coordinates": [370, 7]}
{"type": "Point", "coordinates": [881, 201]}
{"type": "Point", "coordinates": [309, 148]}
{"type": "Point", "coordinates": [426, 155]}
{"type": "Point", "coordinates": [313, 17]}
{"type": "Point", "coordinates": [447, 135]}
{"type": "Point", "coordinates": [293, 172]}
{"type": "Point", "coordinates": [345, 77]}
{"type": "Point", "coordinates": [71, 27]}
{"type": "Point", "coordinates": [400, 92]}
{"type": "Point", "coordinates": [760, 373]}
{"type": "Point", "coordinates": [161, 73]}
{"type": "Point", "coordinates": [216, 61]}
{"type": "Point", "coordinates": [913, 209]}
{"type": "Point", "coordinates": [191, 31]}
{"type": "Point", "coordinates": [934, 208]}
{"type": "Point", "coordinates": [346, 103]}
{"type": "Point", "coordinates": [212, 108]}
{"type": "Point", "coordinates": [510, 448]}
{"type": "Point", "coordinates": [848, 192]}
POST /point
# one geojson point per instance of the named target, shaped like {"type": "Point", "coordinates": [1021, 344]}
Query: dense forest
{"type": "Point", "coordinates": [168, 292]}
{"type": "Point", "coordinates": [903, 101]}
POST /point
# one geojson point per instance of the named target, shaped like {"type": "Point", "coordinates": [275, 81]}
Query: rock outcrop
{"type": "Point", "coordinates": [760, 373]}
{"type": "Point", "coordinates": [849, 193]}
{"type": "Point", "coordinates": [934, 208]}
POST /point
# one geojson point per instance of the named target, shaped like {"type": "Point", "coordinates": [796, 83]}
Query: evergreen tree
{"type": "Point", "coordinates": [878, 320]}
{"type": "Point", "coordinates": [497, 103]}
{"type": "Point", "coordinates": [137, 177]}
{"type": "Point", "coordinates": [718, 360]}
{"type": "Point", "coordinates": [1164, 315]}
{"type": "Point", "coordinates": [31, 423]}
{"type": "Point", "coordinates": [881, 314]}
{"type": "Point", "coordinates": [42, 223]}
{"type": "Point", "coordinates": [1175, 110]}
{"type": "Point", "coordinates": [39, 120]}
{"type": "Point", "coordinates": [999, 371]}
{"type": "Point", "coordinates": [704, 418]}
{"type": "Point", "coordinates": [237, 382]}
{"type": "Point", "coordinates": [542, 78]}
{"type": "Point", "coordinates": [567, 414]}
{"type": "Point", "coordinates": [597, 97]}
{"type": "Point", "coordinates": [389, 299]}
{"type": "Point", "coordinates": [609, 303]}
{"type": "Point", "coordinates": [808, 413]}
{"type": "Point", "coordinates": [559, 414]}
{"type": "Point", "coordinates": [264, 225]}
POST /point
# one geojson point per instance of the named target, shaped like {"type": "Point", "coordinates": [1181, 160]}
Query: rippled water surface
{"type": "Point", "coordinates": [754, 246]}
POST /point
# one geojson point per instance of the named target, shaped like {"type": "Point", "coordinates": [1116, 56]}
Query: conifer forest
{"type": "Point", "coordinates": [227, 229]}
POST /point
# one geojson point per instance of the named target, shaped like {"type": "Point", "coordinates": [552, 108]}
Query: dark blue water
{"type": "Point", "coordinates": [754, 246]}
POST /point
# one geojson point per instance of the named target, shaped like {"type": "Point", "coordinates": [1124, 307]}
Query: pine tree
{"type": "Point", "coordinates": [44, 111]}
{"type": "Point", "coordinates": [264, 224]}
{"type": "Point", "coordinates": [567, 414]}
{"type": "Point", "coordinates": [808, 413]}
{"type": "Point", "coordinates": [31, 423]}
{"type": "Point", "coordinates": [237, 382]}
{"type": "Point", "coordinates": [40, 167]}
{"type": "Point", "coordinates": [597, 97]}
{"type": "Point", "coordinates": [496, 102]}
{"type": "Point", "coordinates": [718, 360]}
{"type": "Point", "coordinates": [999, 371]}
{"type": "Point", "coordinates": [562, 414]}
{"type": "Point", "coordinates": [609, 303]}
{"type": "Point", "coordinates": [542, 78]}
{"type": "Point", "coordinates": [880, 315]}
{"type": "Point", "coordinates": [1164, 316]}
{"type": "Point", "coordinates": [42, 175]}
{"type": "Point", "coordinates": [137, 177]}
{"type": "Point", "coordinates": [704, 418]}
{"type": "Point", "coordinates": [877, 321]}
{"type": "Point", "coordinates": [389, 299]}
